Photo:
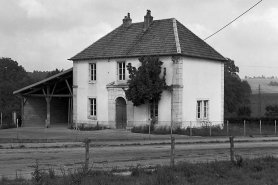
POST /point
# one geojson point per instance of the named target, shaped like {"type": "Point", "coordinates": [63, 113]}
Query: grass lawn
{"type": "Point", "coordinates": [244, 171]}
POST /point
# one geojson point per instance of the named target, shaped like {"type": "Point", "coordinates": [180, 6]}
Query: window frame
{"type": "Point", "coordinates": [92, 108]}
{"type": "Point", "coordinates": [202, 110]}
{"type": "Point", "coordinates": [121, 71]}
{"type": "Point", "coordinates": [154, 109]}
{"type": "Point", "coordinates": [94, 73]}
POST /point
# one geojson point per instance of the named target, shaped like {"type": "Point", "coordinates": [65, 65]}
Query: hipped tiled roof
{"type": "Point", "coordinates": [158, 39]}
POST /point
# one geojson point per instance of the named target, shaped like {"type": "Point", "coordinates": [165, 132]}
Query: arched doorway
{"type": "Point", "coordinates": [120, 113]}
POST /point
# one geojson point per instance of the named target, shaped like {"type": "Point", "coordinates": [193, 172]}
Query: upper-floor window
{"type": "Point", "coordinates": [121, 70]}
{"type": "Point", "coordinates": [202, 109]}
{"type": "Point", "coordinates": [93, 72]}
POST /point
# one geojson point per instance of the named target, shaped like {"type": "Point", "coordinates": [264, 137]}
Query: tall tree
{"type": "Point", "coordinates": [236, 91]}
{"type": "Point", "coordinates": [12, 77]}
{"type": "Point", "coordinates": [146, 83]}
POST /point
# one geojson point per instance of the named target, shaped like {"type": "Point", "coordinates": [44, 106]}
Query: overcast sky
{"type": "Point", "coordinates": [43, 34]}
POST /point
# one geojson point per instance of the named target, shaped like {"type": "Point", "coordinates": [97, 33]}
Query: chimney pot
{"type": "Point", "coordinates": [148, 19]}
{"type": "Point", "coordinates": [127, 21]}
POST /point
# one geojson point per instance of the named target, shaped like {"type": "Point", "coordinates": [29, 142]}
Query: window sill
{"type": "Point", "coordinates": [121, 81]}
{"type": "Point", "coordinates": [92, 117]}
{"type": "Point", "coordinates": [92, 82]}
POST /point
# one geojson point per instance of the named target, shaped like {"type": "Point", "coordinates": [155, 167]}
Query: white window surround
{"type": "Point", "coordinates": [92, 72]}
{"type": "Point", "coordinates": [202, 110]}
{"type": "Point", "coordinates": [92, 108]}
{"type": "Point", "coordinates": [121, 71]}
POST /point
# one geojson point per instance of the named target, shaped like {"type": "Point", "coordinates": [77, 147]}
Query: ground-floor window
{"type": "Point", "coordinates": [202, 110]}
{"type": "Point", "coordinates": [154, 110]}
{"type": "Point", "coordinates": [92, 107]}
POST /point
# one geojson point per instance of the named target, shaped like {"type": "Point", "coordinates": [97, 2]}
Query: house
{"type": "Point", "coordinates": [195, 70]}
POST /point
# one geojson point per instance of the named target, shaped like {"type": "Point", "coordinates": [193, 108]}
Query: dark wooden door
{"type": "Point", "coordinates": [120, 113]}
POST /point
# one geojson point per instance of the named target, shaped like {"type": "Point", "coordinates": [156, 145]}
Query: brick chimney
{"type": "Point", "coordinates": [148, 19]}
{"type": "Point", "coordinates": [127, 20]}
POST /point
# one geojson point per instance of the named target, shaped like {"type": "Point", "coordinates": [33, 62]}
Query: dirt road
{"type": "Point", "coordinates": [22, 161]}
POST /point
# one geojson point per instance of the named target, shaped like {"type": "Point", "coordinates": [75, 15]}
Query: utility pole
{"type": "Point", "coordinates": [259, 102]}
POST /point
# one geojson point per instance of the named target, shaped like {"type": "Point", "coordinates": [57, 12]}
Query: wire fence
{"type": "Point", "coordinates": [64, 161]}
{"type": "Point", "coordinates": [189, 128]}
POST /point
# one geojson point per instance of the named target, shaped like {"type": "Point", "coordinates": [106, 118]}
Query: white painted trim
{"type": "Point", "coordinates": [176, 36]}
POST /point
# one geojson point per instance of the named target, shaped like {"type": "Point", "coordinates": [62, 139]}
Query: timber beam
{"type": "Point", "coordinates": [45, 95]}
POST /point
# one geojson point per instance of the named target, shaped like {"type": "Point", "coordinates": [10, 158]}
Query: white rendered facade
{"type": "Point", "coordinates": [194, 80]}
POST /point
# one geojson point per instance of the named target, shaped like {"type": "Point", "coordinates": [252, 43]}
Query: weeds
{"type": "Point", "coordinates": [244, 171]}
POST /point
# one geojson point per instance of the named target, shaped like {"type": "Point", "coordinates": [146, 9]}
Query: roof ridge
{"type": "Point", "coordinates": [177, 40]}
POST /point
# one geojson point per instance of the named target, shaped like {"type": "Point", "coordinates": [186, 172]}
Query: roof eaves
{"type": "Point", "coordinates": [43, 81]}
{"type": "Point", "coordinates": [75, 56]}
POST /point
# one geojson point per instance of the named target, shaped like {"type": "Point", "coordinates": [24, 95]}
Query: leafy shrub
{"type": "Point", "coordinates": [7, 126]}
{"type": "Point", "coordinates": [271, 110]}
{"type": "Point", "coordinates": [197, 131]}
{"type": "Point", "coordinates": [144, 129]}
{"type": "Point", "coordinates": [250, 120]}
{"type": "Point", "coordinates": [89, 127]}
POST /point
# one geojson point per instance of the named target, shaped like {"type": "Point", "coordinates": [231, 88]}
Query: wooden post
{"type": "Point", "coordinates": [171, 129]}
{"type": "Point", "coordinates": [210, 125]}
{"type": "Point", "coordinates": [190, 129]}
{"type": "Point", "coordinates": [260, 127]}
{"type": "Point", "coordinates": [22, 111]}
{"type": "Point", "coordinates": [227, 127]}
{"type": "Point", "coordinates": [69, 112]}
{"type": "Point", "coordinates": [172, 161]}
{"type": "Point", "coordinates": [17, 128]}
{"type": "Point", "coordinates": [76, 131]}
{"type": "Point", "coordinates": [48, 106]}
{"type": "Point", "coordinates": [87, 146]}
{"type": "Point", "coordinates": [244, 128]}
{"type": "Point", "coordinates": [232, 148]}
{"type": "Point", "coordinates": [45, 132]}
{"type": "Point", "coordinates": [275, 128]}
{"type": "Point", "coordinates": [150, 129]}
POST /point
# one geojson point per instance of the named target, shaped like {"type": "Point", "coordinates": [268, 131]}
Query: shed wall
{"type": "Point", "coordinates": [35, 111]}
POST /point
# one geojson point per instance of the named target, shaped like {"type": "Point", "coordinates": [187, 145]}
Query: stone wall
{"type": "Point", "coordinates": [177, 94]}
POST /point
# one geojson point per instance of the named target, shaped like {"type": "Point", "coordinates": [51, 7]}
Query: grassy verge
{"type": "Point", "coordinates": [244, 171]}
{"type": "Point", "coordinates": [215, 130]}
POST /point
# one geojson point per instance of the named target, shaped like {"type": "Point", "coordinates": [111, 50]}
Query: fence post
{"type": "Point", "coordinates": [232, 148]}
{"type": "Point", "coordinates": [17, 128]}
{"type": "Point", "coordinates": [87, 146]}
{"type": "Point", "coordinates": [172, 160]}
{"type": "Point", "coordinates": [190, 129]}
{"type": "Point", "coordinates": [227, 128]}
{"type": "Point", "coordinates": [1, 119]}
{"type": "Point", "coordinates": [150, 130]}
{"type": "Point", "coordinates": [260, 127]}
{"type": "Point", "coordinates": [76, 131]}
{"type": "Point", "coordinates": [275, 127]}
{"type": "Point", "coordinates": [210, 125]}
{"type": "Point", "coordinates": [244, 128]}
{"type": "Point", "coordinates": [45, 132]}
